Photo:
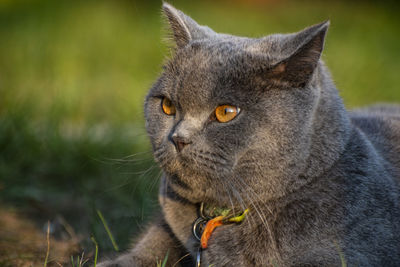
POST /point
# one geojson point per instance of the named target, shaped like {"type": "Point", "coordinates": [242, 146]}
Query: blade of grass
{"type": "Point", "coordinates": [82, 258]}
{"type": "Point", "coordinates": [108, 230]}
{"type": "Point", "coordinates": [341, 254]}
{"type": "Point", "coordinates": [97, 250]}
{"type": "Point", "coordinates": [184, 256]}
{"type": "Point", "coordinates": [48, 244]}
{"type": "Point", "coordinates": [164, 263]}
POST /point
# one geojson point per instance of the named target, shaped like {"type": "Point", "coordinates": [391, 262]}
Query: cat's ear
{"type": "Point", "coordinates": [297, 69]}
{"type": "Point", "coordinates": [184, 28]}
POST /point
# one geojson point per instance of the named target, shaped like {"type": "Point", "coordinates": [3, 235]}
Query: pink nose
{"type": "Point", "coordinates": [179, 142]}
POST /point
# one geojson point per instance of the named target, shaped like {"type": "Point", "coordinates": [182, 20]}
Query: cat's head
{"type": "Point", "coordinates": [231, 114]}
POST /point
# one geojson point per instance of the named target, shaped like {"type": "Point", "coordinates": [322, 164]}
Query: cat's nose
{"type": "Point", "coordinates": [179, 142]}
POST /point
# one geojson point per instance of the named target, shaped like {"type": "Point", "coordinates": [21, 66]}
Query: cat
{"type": "Point", "coordinates": [257, 124]}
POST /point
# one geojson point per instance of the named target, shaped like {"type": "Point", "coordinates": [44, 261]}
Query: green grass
{"type": "Point", "coordinates": [110, 235]}
{"type": "Point", "coordinates": [164, 262]}
{"type": "Point", "coordinates": [48, 245]}
{"type": "Point", "coordinates": [79, 262]}
{"type": "Point", "coordinates": [73, 76]}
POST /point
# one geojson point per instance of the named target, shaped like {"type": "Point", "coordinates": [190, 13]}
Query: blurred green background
{"type": "Point", "coordinates": [73, 76]}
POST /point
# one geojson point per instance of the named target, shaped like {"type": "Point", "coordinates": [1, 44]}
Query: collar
{"type": "Point", "coordinates": [211, 217]}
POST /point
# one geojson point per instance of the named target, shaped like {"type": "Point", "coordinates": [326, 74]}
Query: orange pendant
{"type": "Point", "coordinates": [209, 229]}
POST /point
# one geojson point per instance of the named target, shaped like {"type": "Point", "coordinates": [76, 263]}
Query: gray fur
{"type": "Point", "coordinates": [321, 183]}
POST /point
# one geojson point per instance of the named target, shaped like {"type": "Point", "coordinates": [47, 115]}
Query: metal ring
{"type": "Point", "coordinates": [201, 210]}
{"type": "Point", "coordinates": [196, 224]}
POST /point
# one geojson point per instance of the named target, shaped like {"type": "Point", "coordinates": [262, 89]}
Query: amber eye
{"type": "Point", "coordinates": [167, 106]}
{"type": "Point", "coordinates": [226, 113]}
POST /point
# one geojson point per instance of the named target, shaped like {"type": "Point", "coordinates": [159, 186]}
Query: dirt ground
{"type": "Point", "coordinates": [22, 243]}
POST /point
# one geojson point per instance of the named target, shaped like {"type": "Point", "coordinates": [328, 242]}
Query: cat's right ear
{"type": "Point", "coordinates": [184, 28]}
{"type": "Point", "coordinates": [307, 45]}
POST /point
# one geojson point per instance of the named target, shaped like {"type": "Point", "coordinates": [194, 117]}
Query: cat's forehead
{"type": "Point", "coordinates": [190, 80]}
{"type": "Point", "coordinates": [198, 78]}
{"type": "Point", "coordinates": [211, 73]}
{"type": "Point", "coordinates": [227, 53]}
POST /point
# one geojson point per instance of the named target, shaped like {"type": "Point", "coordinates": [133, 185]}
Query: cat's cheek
{"type": "Point", "coordinates": [158, 127]}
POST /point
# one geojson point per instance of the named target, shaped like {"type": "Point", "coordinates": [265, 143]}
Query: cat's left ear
{"type": "Point", "coordinates": [297, 69]}
{"type": "Point", "coordinates": [184, 28]}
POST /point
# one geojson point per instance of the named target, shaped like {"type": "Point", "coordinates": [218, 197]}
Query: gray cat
{"type": "Point", "coordinates": [239, 123]}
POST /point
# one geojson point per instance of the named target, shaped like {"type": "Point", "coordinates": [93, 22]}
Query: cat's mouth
{"type": "Point", "coordinates": [204, 166]}
{"type": "Point", "coordinates": [193, 161]}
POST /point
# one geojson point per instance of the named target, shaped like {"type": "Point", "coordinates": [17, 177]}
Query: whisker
{"type": "Point", "coordinates": [262, 216]}
{"type": "Point", "coordinates": [213, 154]}
{"type": "Point", "coordinates": [228, 193]}
{"type": "Point", "coordinates": [242, 202]}
{"type": "Point", "coordinates": [212, 167]}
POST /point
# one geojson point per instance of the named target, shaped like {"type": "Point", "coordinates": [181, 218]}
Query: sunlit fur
{"type": "Point", "coordinates": [320, 183]}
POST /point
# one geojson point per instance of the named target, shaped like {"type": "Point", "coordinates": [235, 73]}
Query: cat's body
{"type": "Point", "coordinates": [321, 184]}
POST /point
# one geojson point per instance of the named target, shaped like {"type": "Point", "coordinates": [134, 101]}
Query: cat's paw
{"type": "Point", "coordinates": [126, 261]}
{"type": "Point", "coordinates": [115, 263]}
{"type": "Point", "coordinates": [108, 264]}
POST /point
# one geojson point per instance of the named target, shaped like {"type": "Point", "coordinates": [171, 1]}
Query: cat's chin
{"type": "Point", "coordinates": [197, 195]}
{"type": "Point", "coordinates": [196, 183]}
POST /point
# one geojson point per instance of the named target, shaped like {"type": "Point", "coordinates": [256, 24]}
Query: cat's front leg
{"type": "Point", "coordinates": [152, 247]}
